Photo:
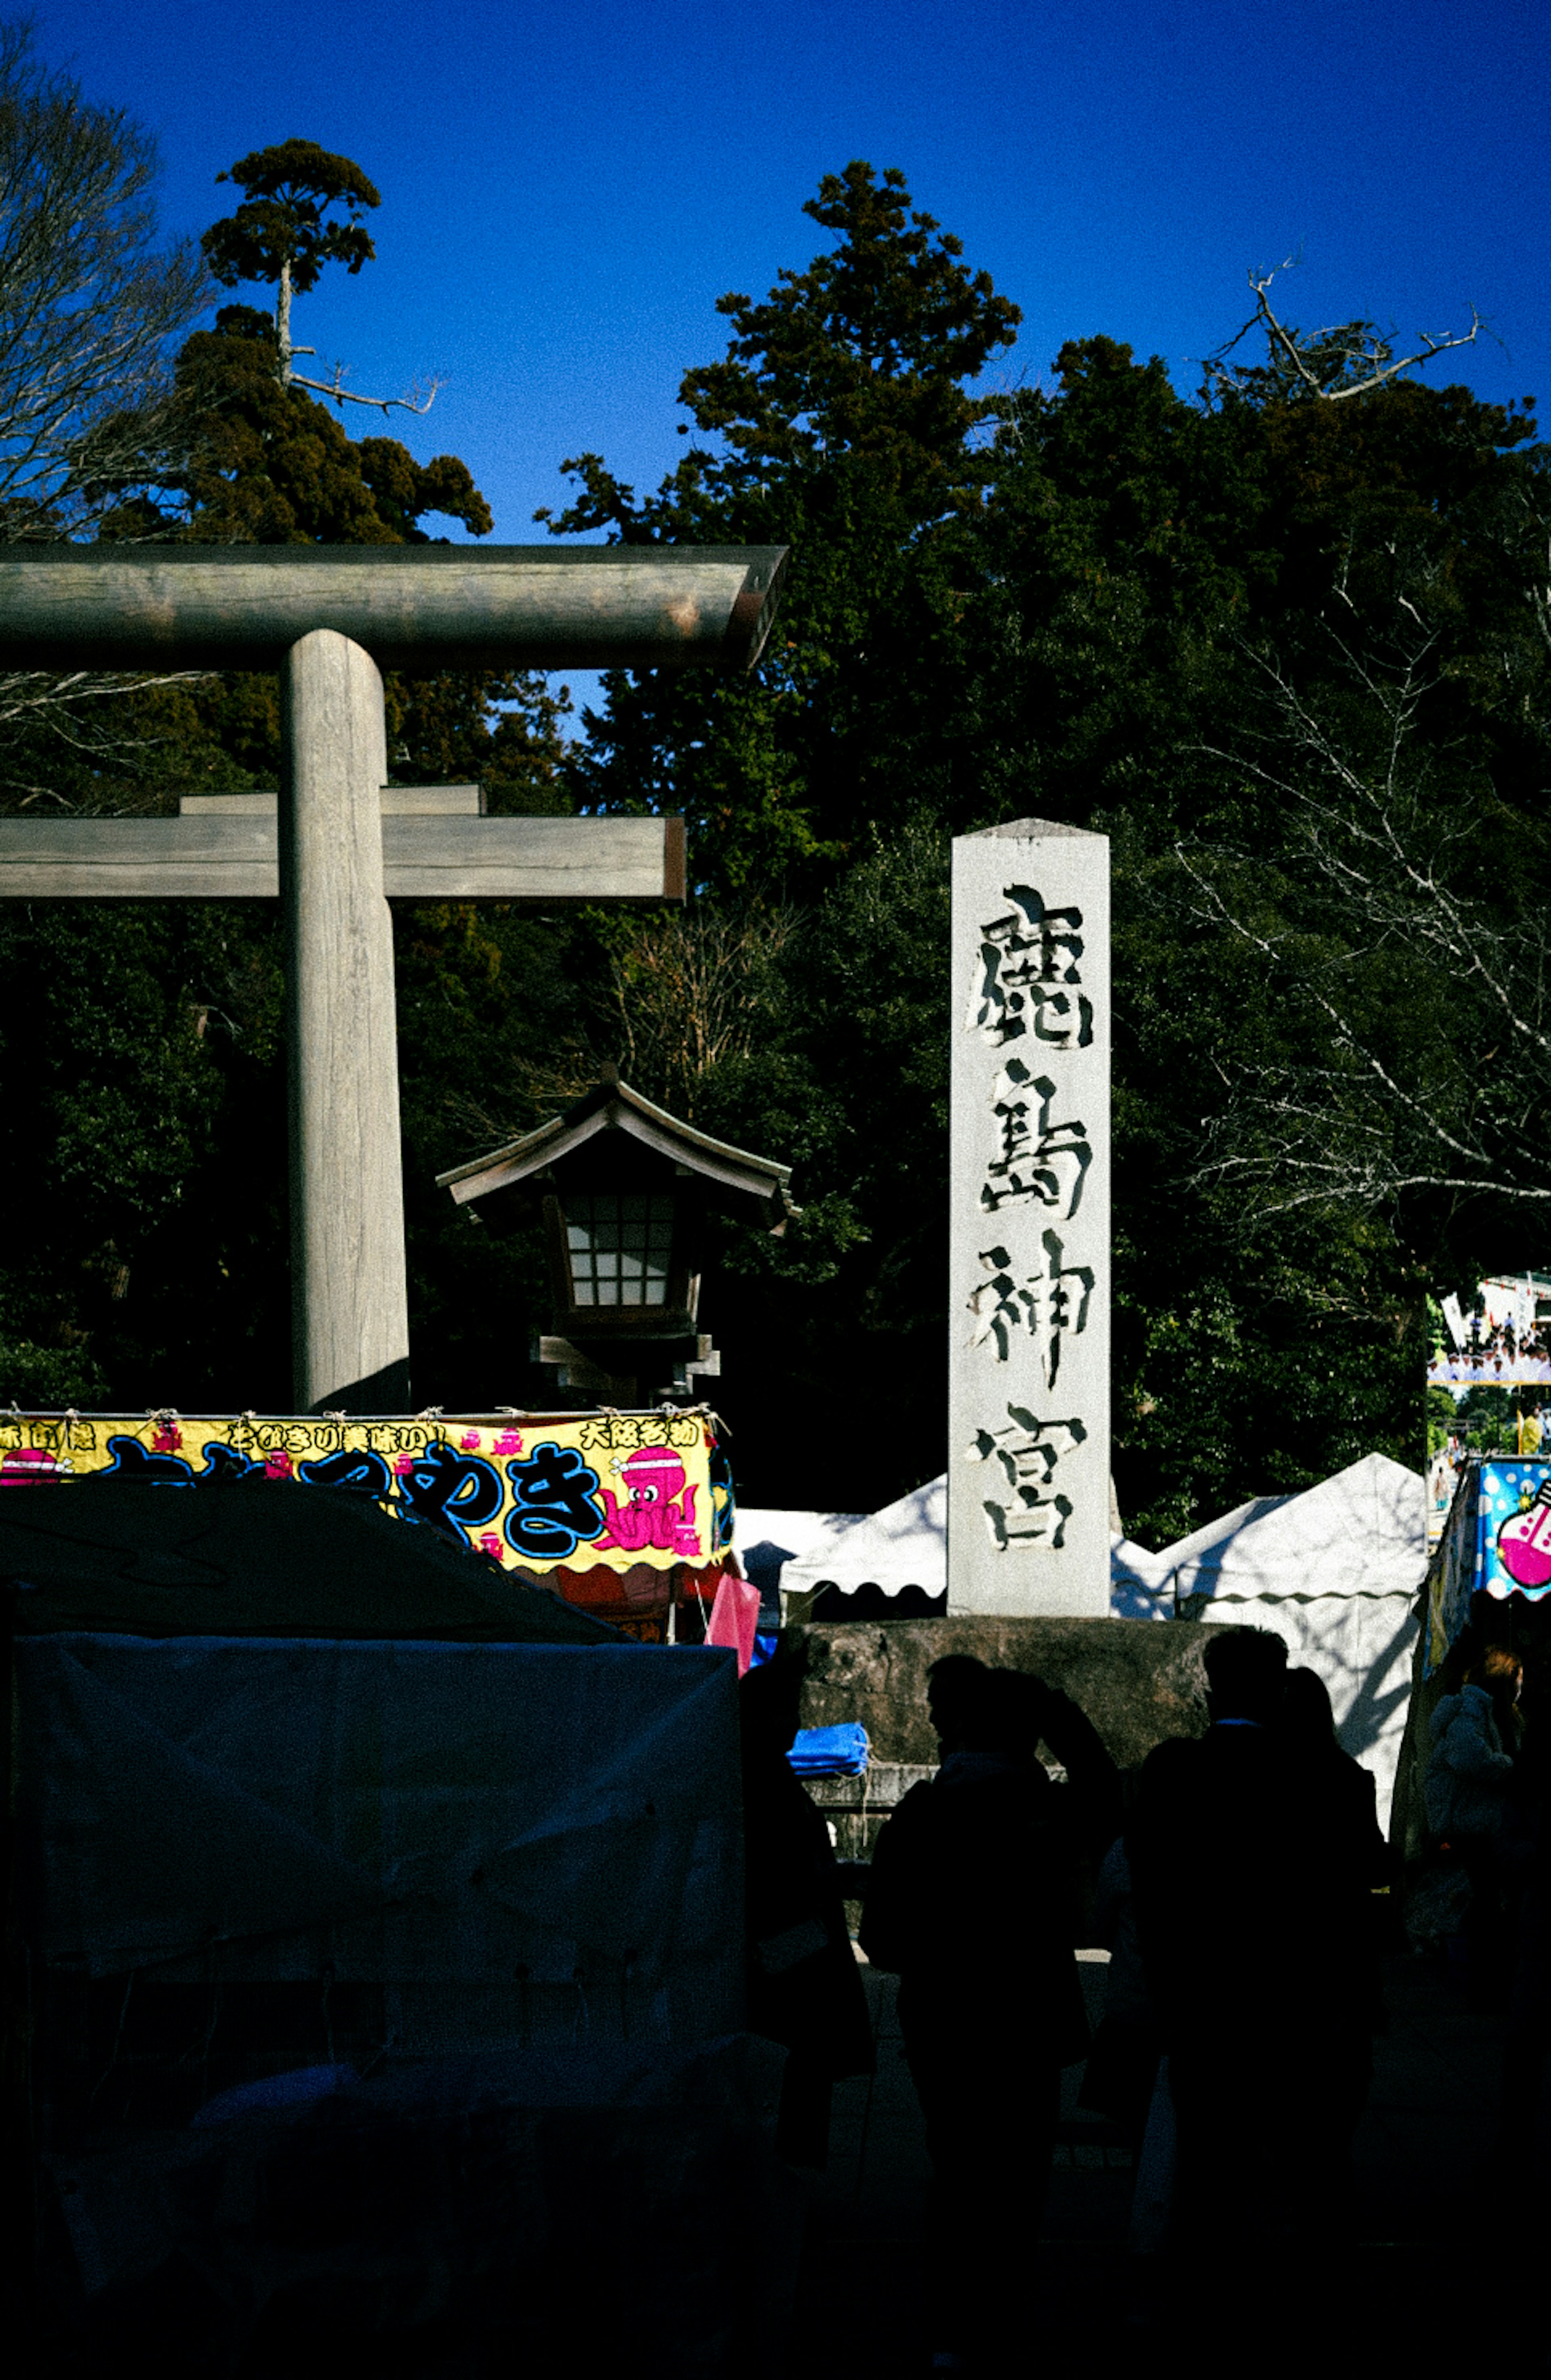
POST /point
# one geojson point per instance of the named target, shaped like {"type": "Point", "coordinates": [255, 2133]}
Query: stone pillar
{"type": "Point", "coordinates": [1029, 1457]}
{"type": "Point", "coordinates": [349, 1301]}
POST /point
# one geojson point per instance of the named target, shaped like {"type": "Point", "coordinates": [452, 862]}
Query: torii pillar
{"type": "Point", "coordinates": [330, 619]}
{"type": "Point", "coordinates": [349, 1289]}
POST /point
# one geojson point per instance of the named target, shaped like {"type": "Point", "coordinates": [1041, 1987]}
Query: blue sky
{"type": "Point", "coordinates": [567, 189]}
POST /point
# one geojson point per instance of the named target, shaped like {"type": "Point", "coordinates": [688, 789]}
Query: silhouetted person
{"type": "Point", "coordinates": [1525, 2116]}
{"type": "Point", "coordinates": [1123, 2063]}
{"type": "Point", "coordinates": [970, 1901]}
{"type": "Point", "coordinates": [803, 1985]}
{"type": "Point", "coordinates": [1092, 1801]}
{"type": "Point", "coordinates": [1251, 1856]}
{"type": "Point", "coordinates": [1307, 1713]}
{"type": "Point", "coordinates": [1308, 1722]}
{"type": "Point", "coordinates": [1474, 1807]}
{"type": "Point", "coordinates": [1472, 1737]}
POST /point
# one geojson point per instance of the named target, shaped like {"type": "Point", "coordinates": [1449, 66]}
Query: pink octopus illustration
{"type": "Point", "coordinates": [658, 1511]}
{"type": "Point", "coordinates": [29, 1462]}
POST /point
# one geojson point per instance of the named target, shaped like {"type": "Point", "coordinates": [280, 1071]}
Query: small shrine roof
{"type": "Point", "coordinates": [614, 1106]}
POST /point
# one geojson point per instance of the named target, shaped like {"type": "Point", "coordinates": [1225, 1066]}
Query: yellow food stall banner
{"type": "Point", "coordinates": [534, 1492]}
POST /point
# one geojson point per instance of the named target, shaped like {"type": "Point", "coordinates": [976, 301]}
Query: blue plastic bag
{"type": "Point", "coordinates": [830, 1751]}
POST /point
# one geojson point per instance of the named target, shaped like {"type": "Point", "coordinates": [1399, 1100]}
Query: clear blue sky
{"type": "Point", "coordinates": [567, 189]}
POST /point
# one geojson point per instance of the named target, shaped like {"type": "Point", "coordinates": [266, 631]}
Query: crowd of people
{"type": "Point", "coordinates": [1243, 1892]}
{"type": "Point", "coordinates": [1494, 1350]}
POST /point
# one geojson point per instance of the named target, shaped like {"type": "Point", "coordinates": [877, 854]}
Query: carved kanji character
{"type": "Point", "coordinates": [1049, 1305]}
{"type": "Point", "coordinates": [1035, 1159]}
{"type": "Point", "coordinates": [1025, 962]}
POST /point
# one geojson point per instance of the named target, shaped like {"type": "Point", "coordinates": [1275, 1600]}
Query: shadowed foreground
{"type": "Point", "coordinates": [1433, 2197]}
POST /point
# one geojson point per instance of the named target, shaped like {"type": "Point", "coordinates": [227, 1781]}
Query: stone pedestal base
{"type": "Point", "coordinates": [1139, 1682]}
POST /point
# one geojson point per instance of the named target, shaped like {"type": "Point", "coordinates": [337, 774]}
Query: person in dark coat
{"type": "Point", "coordinates": [971, 1902]}
{"type": "Point", "coordinates": [802, 1981]}
{"type": "Point", "coordinates": [1253, 1854]}
{"type": "Point", "coordinates": [1308, 1722]}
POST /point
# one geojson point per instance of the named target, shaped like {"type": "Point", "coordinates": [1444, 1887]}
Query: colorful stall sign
{"type": "Point", "coordinates": [1497, 1541]}
{"type": "Point", "coordinates": [571, 1493]}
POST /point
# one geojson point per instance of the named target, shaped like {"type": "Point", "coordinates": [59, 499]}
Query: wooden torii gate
{"type": "Point", "coordinates": [330, 619]}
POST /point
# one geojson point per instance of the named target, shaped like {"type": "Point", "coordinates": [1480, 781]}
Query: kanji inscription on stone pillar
{"type": "Point", "coordinates": [1028, 1465]}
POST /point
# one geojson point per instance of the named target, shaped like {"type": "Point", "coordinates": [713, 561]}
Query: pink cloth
{"type": "Point", "coordinates": [734, 1617]}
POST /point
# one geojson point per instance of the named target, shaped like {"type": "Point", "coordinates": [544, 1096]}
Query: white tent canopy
{"type": "Point", "coordinates": [905, 1545]}
{"type": "Point", "coordinates": [767, 1537]}
{"type": "Point", "coordinates": [1141, 1586]}
{"type": "Point", "coordinates": [1335, 1573]}
{"type": "Point", "coordinates": [1362, 1533]}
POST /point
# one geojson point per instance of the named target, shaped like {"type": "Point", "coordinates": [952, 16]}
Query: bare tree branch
{"type": "Point", "coordinates": [1344, 360]}
{"type": "Point", "coordinates": [1452, 1092]}
{"type": "Point", "coordinates": [691, 989]}
{"type": "Point", "coordinates": [88, 304]}
{"type": "Point", "coordinates": [343, 395]}
{"type": "Point", "coordinates": [90, 307]}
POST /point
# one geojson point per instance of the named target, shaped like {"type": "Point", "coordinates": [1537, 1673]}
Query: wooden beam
{"type": "Point", "coordinates": [225, 857]}
{"type": "Point", "coordinates": [532, 860]}
{"type": "Point", "coordinates": [395, 801]}
{"type": "Point", "coordinates": [415, 608]}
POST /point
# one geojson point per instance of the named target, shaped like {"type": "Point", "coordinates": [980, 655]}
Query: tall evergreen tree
{"type": "Point", "coordinates": [844, 429]}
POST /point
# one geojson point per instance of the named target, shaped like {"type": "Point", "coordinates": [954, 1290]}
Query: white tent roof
{"type": "Point", "coordinates": [767, 1537]}
{"type": "Point", "coordinates": [906, 1545]}
{"type": "Point", "coordinates": [1140, 1585]}
{"type": "Point", "coordinates": [1364, 1531]}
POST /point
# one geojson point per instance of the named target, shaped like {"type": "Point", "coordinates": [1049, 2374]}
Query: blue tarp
{"type": "Point", "coordinates": [830, 1751]}
{"type": "Point", "coordinates": [431, 1818]}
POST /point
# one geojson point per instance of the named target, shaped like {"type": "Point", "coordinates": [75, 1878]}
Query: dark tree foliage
{"type": "Point", "coordinates": [845, 430]}
{"type": "Point", "coordinates": [1291, 653]}
{"type": "Point", "coordinates": [1088, 593]}
{"type": "Point", "coordinates": [284, 222]}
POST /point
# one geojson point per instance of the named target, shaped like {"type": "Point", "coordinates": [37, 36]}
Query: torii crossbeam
{"type": "Point", "coordinates": [338, 843]}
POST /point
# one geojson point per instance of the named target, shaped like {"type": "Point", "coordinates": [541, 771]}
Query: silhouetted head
{"type": "Point", "coordinates": [1499, 1672]}
{"type": "Point", "coordinates": [1011, 1714]}
{"type": "Point", "coordinates": [1245, 1671]}
{"type": "Point", "coordinates": [956, 1700]}
{"type": "Point", "coordinates": [1306, 1713]}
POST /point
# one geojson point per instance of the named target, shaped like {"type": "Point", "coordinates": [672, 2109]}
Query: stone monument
{"type": "Point", "coordinates": [1028, 1456]}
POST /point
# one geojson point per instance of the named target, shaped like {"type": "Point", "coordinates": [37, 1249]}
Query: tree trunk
{"type": "Point", "coordinates": [283, 323]}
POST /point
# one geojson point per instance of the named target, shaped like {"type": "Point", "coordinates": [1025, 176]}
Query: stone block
{"type": "Point", "coordinates": [1140, 1683]}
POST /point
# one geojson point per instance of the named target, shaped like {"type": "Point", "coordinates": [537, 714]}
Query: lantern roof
{"type": "Point", "coordinates": [612, 1105]}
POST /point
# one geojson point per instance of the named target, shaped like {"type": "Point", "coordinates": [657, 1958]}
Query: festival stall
{"type": "Point", "coordinates": [1496, 1542]}
{"type": "Point", "coordinates": [624, 1515]}
{"type": "Point", "coordinates": [372, 1903]}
